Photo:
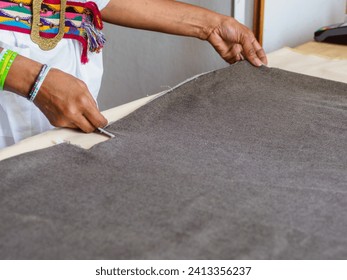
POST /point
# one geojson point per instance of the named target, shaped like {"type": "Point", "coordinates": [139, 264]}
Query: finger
{"type": "Point", "coordinates": [83, 124]}
{"type": "Point", "coordinates": [94, 101]}
{"type": "Point", "coordinates": [260, 51]}
{"type": "Point", "coordinates": [94, 117]}
{"type": "Point", "coordinates": [236, 58]}
{"type": "Point", "coordinates": [233, 54]}
{"type": "Point", "coordinates": [250, 53]}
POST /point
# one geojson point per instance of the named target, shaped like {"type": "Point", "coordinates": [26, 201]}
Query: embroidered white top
{"type": "Point", "coordinates": [20, 118]}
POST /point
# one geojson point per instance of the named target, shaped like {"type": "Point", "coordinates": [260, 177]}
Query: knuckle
{"type": "Point", "coordinates": [246, 36]}
{"type": "Point", "coordinates": [250, 35]}
{"type": "Point", "coordinates": [251, 52]}
{"type": "Point", "coordinates": [70, 112]}
{"type": "Point", "coordinates": [237, 48]}
{"type": "Point", "coordinates": [81, 84]}
{"type": "Point", "coordinates": [83, 101]}
{"type": "Point", "coordinates": [81, 91]}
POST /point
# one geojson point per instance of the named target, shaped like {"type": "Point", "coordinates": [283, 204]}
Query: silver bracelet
{"type": "Point", "coordinates": [40, 78]}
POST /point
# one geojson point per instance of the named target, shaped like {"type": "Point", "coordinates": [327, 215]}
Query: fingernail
{"type": "Point", "coordinates": [259, 63]}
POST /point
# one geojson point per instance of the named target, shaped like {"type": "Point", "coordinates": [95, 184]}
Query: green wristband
{"type": "Point", "coordinates": [5, 65]}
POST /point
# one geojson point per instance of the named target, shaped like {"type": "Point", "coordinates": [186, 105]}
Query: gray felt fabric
{"type": "Point", "coordinates": [242, 163]}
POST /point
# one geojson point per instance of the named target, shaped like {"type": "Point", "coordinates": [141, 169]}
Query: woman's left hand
{"type": "Point", "coordinates": [235, 42]}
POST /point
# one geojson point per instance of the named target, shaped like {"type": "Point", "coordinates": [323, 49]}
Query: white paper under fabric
{"type": "Point", "coordinates": [19, 118]}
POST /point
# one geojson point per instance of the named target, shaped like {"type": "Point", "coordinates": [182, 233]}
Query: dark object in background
{"type": "Point", "coordinates": [336, 34]}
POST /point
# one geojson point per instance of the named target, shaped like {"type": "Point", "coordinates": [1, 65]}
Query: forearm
{"type": "Point", "coordinates": [162, 15]}
{"type": "Point", "coordinates": [62, 98]}
{"type": "Point", "coordinates": [22, 75]}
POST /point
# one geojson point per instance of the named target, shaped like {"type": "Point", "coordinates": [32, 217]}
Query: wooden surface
{"type": "Point", "coordinates": [258, 20]}
{"type": "Point", "coordinates": [323, 49]}
{"type": "Point", "coordinates": [313, 65]}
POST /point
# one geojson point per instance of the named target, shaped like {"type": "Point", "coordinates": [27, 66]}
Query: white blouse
{"type": "Point", "coordinates": [20, 118]}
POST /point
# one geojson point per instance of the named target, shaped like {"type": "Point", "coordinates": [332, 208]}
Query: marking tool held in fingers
{"type": "Point", "coordinates": [104, 131]}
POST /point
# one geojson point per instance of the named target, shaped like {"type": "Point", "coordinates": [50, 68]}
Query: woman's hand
{"type": "Point", "coordinates": [63, 99]}
{"type": "Point", "coordinates": [234, 42]}
{"type": "Point", "coordinates": [67, 102]}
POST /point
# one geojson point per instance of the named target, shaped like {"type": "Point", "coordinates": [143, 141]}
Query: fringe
{"type": "Point", "coordinates": [92, 25]}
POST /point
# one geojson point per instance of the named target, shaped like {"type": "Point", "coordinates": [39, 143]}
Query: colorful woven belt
{"type": "Point", "coordinates": [81, 21]}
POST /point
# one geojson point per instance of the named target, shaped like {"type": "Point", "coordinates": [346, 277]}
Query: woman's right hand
{"type": "Point", "coordinates": [67, 102]}
{"type": "Point", "coordinates": [62, 98]}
